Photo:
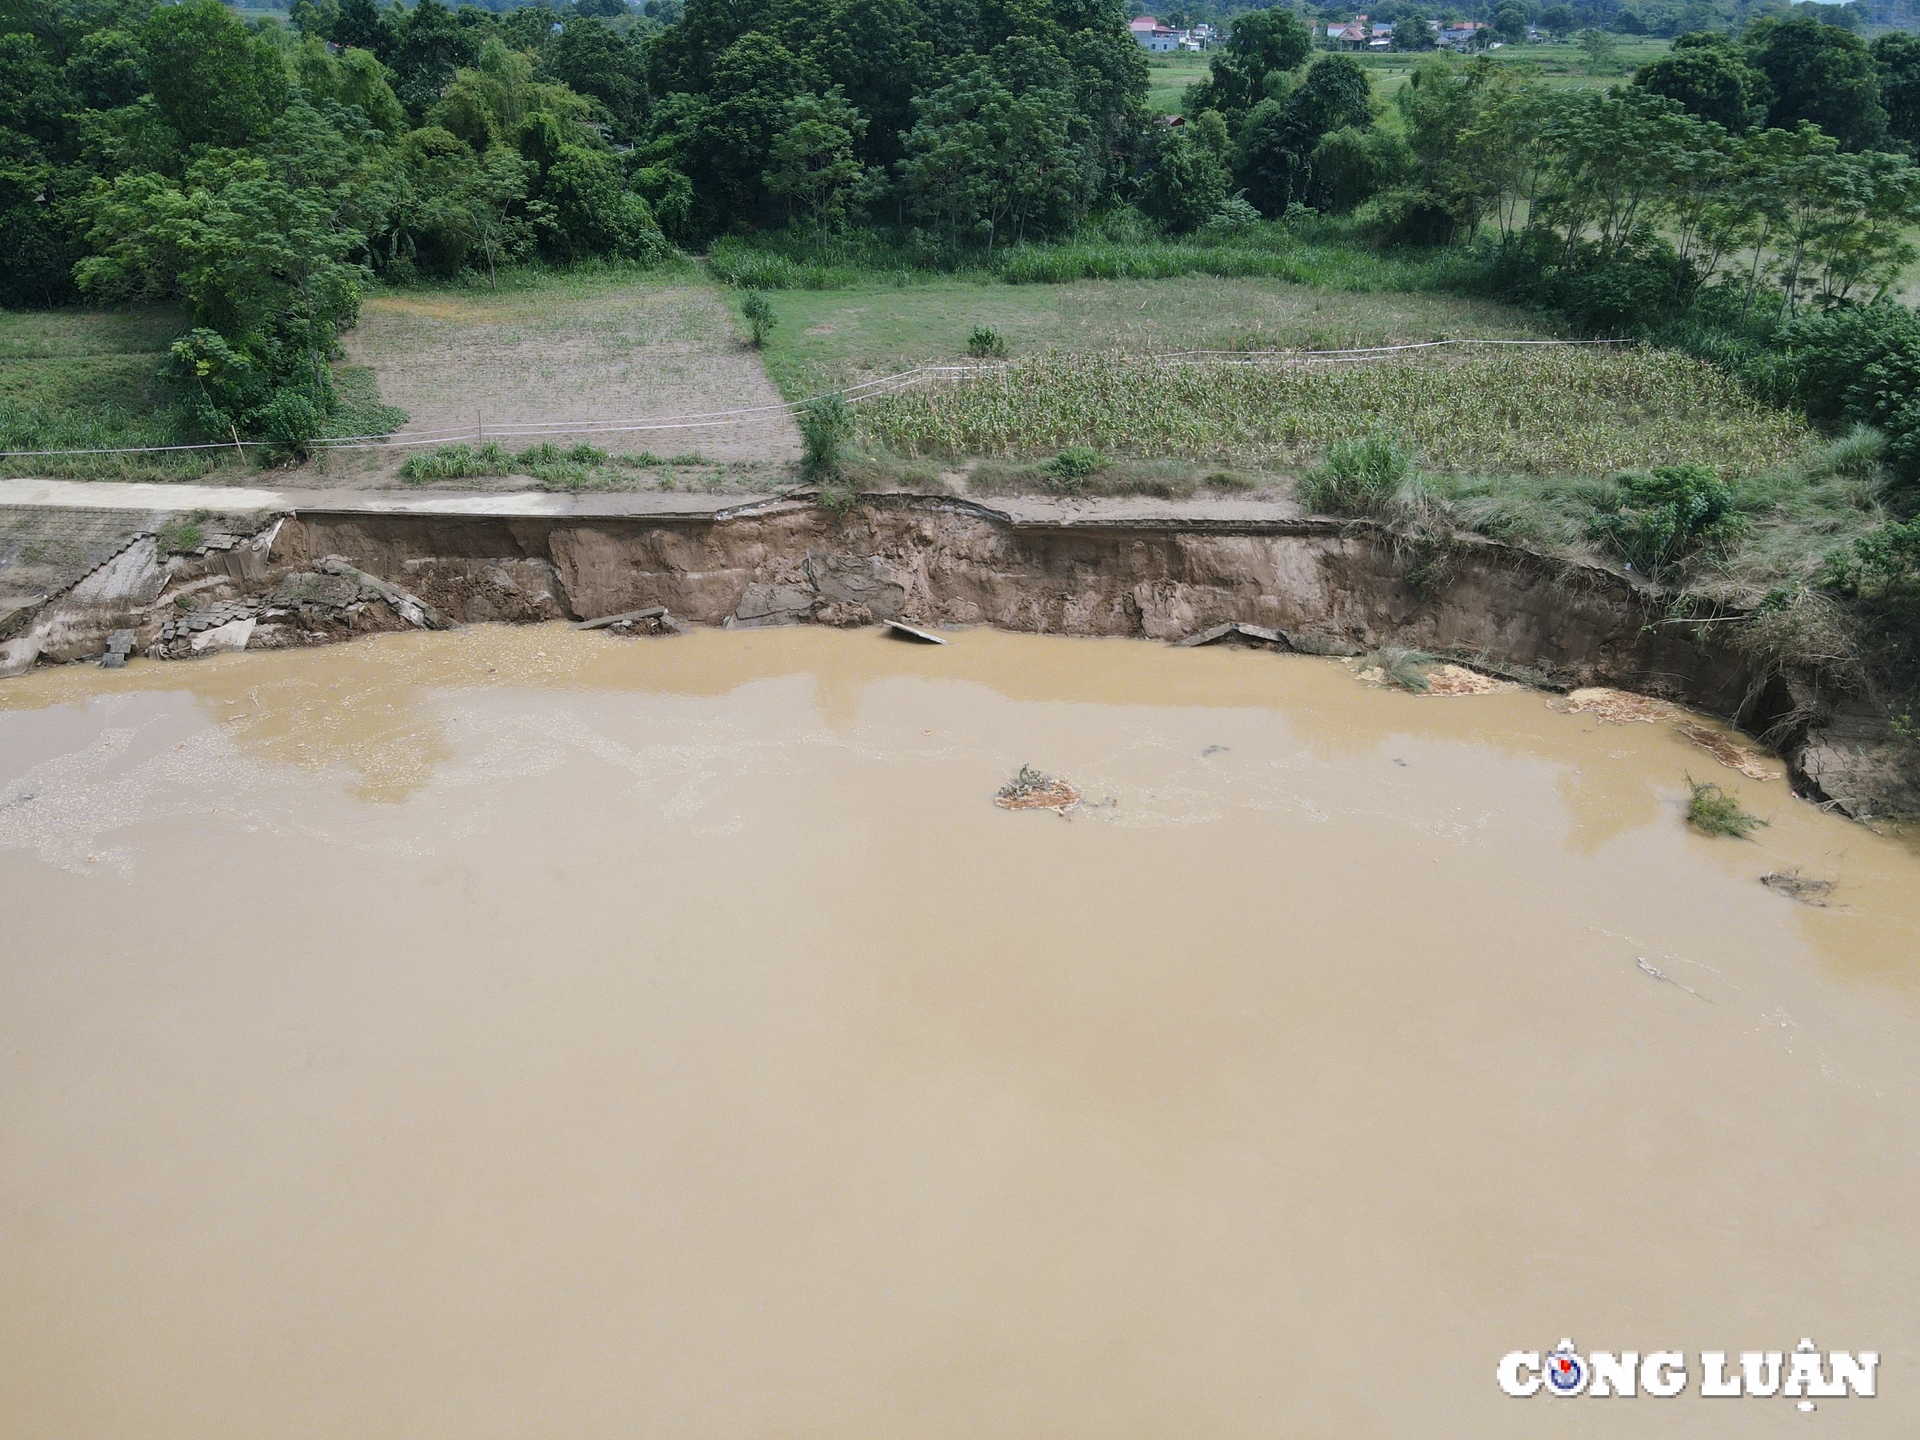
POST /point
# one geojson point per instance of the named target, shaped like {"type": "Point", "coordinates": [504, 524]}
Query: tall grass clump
{"type": "Point", "coordinates": [1119, 246]}
{"type": "Point", "coordinates": [455, 462]}
{"type": "Point", "coordinates": [546, 461]}
{"type": "Point", "coordinates": [1712, 811]}
{"type": "Point", "coordinates": [1358, 477]}
{"type": "Point", "coordinates": [784, 263]}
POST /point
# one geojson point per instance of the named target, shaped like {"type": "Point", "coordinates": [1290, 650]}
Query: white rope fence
{"type": "Point", "coordinates": [877, 388]}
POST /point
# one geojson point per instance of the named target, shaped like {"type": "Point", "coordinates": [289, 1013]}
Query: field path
{"type": "Point", "coordinates": [585, 349]}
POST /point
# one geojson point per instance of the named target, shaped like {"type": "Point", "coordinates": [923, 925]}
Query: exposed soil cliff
{"type": "Point", "coordinates": [318, 576]}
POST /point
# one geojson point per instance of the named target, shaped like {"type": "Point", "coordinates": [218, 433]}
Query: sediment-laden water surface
{"type": "Point", "coordinates": [521, 1032]}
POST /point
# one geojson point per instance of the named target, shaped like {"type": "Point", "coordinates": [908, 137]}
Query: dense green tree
{"type": "Point", "coordinates": [360, 24]}
{"type": "Point", "coordinates": [1559, 21]}
{"type": "Point", "coordinates": [1411, 32]}
{"type": "Point", "coordinates": [1709, 74]}
{"type": "Point", "coordinates": [1262, 43]}
{"type": "Point", "coordinates": [353, 77]}
{"type": "Point", "coordinates": [669, 194]}
{"type": "Point", "coordinates": [262, 263]}
{"type": "Point", "coordinates": [1269, 163]}
{"type": "Point", "coordinates": [456, 208]}
{"type": "Point", "coordinates": [590, 211]}
{"type": "Point", "coordinates": [730, 141]}
{"type": "Point", "coordinates": [132, 137]}
{"type": "Point", "coordinates": [592, 60]}
{"type": "Point", "coordinates": [423, 49]}
{"type": "Point", "coordinates": [33, 94]}
{"type": "Point", "coordinates": [882, 54]}
{"type": "Point", "coordinates": [1897, 54]}
{"type": "Point", "coordinates": [1274, 150]}
{"type": "Point", "coordinates": [1353, 164]}
{"type": "Point", "coordinates": [215, 82]}
{"type": "Point", "coordinates": [1473, 133]}
{"type": "Point", "coordinates": [107, 69]}
{"type": "Point", "coordinates": [1188, 183]}
{"type": "Point", "coordinates": [875, 51]}
{"type": "Point", "coordinates": [984, 164]}
{"type": "Point", "coordinates": [813, 167]}
{"type": "Point", "coordinates": [60, 25]}
{"type": "Point", "coordinates": [1820, 73]}
{"type": "Point", "coordinates": [1510, 21]}
{"type": "Point", "coordinates": [491, 102]}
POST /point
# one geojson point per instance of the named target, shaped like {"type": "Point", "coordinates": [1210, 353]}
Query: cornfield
{"type": "Point", "coordinates": [1547, 411]}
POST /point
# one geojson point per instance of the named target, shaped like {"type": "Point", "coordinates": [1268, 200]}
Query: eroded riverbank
{"type": "Point", "coordinates": [317, 575]}
{"type": "Point", "coordinates": [523, 1029]}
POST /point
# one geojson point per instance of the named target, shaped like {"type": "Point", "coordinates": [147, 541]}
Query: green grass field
{"type": "Point", "coordinates": [1560, 64]}
{"type": "Point", "coordinates": [1168, 77]}
{"type": "Point", "coordinates": [84, 379]}
{"type": "Point", "coordinates": [87, 379]}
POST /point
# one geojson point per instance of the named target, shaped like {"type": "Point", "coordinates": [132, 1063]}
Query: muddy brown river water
{"type": "Point", "coordinates": [522, 1032]}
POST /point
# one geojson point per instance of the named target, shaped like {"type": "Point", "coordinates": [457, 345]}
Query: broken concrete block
{"type": "Point", "coordinates": [231, 636]}
{"type": "Point", "coordinates": [764, 605]}
{"type": "Point", "coordinates": [652, 612]}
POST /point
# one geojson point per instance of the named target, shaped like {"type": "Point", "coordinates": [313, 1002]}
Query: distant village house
{"type": "Point", "coordinates": [1151, 34]}
{"type": "Point", "coordinates": [1359, 34]}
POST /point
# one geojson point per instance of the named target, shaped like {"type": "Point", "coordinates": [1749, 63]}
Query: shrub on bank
{"type": "Point", "coordinates": [1666, 515]}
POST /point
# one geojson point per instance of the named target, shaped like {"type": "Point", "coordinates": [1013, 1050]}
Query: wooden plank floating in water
{"type": "Point", "coordinates": [907, 632]}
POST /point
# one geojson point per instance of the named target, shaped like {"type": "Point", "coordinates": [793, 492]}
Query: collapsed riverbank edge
{"type": "Point", "coordinates": [304, 576]}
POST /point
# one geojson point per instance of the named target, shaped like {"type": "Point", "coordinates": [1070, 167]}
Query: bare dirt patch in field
{"type": "Point", "coordinates": [573, 350]}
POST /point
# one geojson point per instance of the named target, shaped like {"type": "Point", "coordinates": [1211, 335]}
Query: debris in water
{"type": "Point", "coordinates": [1234, 630]}
{"type": "Point", "coordinates": [1397, 666]}
{"type": "Point", "coordinates": [1459, 680]}
{"type": "Point", "coordinates": [907, 632]}
{"type": "Point", "coordinates": [1617, 707]}
{"type": "Point", "coordinates": [1033, 790]}
{"type": "Point", "coordinates": [653, 620]}
{"type": "Point", "coordinates": [1714, 812]}
{"type": "Point", "coordinates": [1794, 885]}
{"type": "Point", "coordinates": [652, 612]}
{"type": "Point", "coordinates": [1241, 632]}
{"type": "Point", "coordinates": [1727, 751]}
{"type": "Point", "coordinates": [1657, 973]}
